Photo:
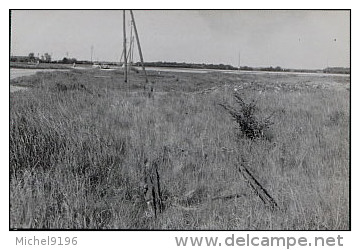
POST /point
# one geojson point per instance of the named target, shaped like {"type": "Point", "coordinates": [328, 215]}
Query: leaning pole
{"type": "Point", "coordinates": [139, 47]}
{"type": "Point", "coordinates": [124, 50]}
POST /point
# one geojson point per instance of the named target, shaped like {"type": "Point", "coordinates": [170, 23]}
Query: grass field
{"type": "Point", "coordinates": [22, 65]}
{"type": "Point", "coordinates": [79, 141]}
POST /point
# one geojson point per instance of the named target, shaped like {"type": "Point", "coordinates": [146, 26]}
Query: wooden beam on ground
{"type": "Point", "coordinates": [260, 191]}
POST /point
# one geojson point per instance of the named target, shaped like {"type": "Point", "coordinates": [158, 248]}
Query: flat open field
{"type": "Point", "coordinates": [18, 72]}
{"type": "Point", "coordinates": [82, 143]}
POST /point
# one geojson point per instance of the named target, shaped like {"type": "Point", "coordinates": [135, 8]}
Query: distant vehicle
{"type": "Point", "coordinates": [34, 63]}
{"type": "Point", "coordinates": [101, 66]}
{"type": "Point", "coordinates": [104, 66]}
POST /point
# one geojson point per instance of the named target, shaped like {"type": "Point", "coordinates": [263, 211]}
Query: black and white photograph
{"type": "Point", "coordinates": [185, 120]}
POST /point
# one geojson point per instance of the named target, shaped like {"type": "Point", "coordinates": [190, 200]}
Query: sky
{"type": "Point", "coordinates": [257, 38]}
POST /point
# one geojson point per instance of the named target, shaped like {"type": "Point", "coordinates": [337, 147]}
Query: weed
{"type": "Point", "coordinates": [248, 122]}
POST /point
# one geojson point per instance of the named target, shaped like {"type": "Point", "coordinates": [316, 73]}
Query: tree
{"type": "Point", "coordinates": [31, 56]}
{"type": "Point", "coordinates": [47, 57]}
{"type": "Point", "coordinates": [66, 60]}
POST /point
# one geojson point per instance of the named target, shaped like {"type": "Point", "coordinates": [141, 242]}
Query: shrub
{"type": "Point", "coordinates": [250, 125]}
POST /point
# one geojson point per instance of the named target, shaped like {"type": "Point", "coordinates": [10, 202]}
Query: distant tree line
{"type": "Point", "coordinates": [337, 70]}
{"type": "Point", "coordinates": [210, 66]}
{"type": "Point", "coordinates": [46, 58]}
{"type": "Point", "coordinates": [66, 60]}
{"type": "Point", "coordinates": [31, 58]}
{"type": "Point", "coordinates": [187, 65]}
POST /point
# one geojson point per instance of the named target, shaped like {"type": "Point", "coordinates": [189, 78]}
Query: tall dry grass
{"type": "Point", "coordinates": [78, 143]}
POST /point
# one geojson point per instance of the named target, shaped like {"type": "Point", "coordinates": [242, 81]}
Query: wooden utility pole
{"type": "Point", "coordinates": [130, 52]}
{"type": "Point", "coordinates": [92, 50]}
{"type": "Point", "coordinates": [139, 47]}
{"type": "Point", "coordinates": [125, 62]}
